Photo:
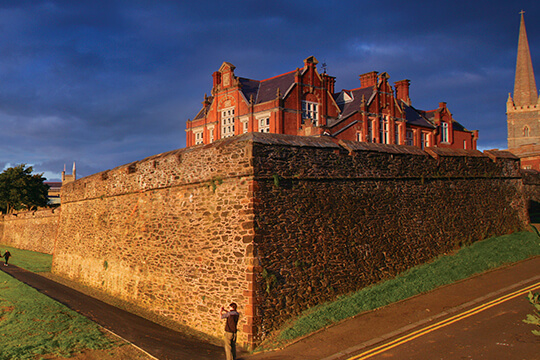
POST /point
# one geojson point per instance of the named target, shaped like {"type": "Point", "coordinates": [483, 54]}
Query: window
{"type": "Point", "coordinates": [425, 140]}
{"type": "Point", "coordinates": [527, 167]}
{"type": "Point", "coordinates": [465, 144]}
{"type": "Point", "coordinates": [359, 136]}
{"type": "Point", "coordinates": [198, 138]}
{"type": "Point", "coordinates": [383, 130]}
{"type": "Point", "coordinates": [310, 111]}
{"type": "Point", "coordinates": [409, 138]}
{"type": "Point", "coordinates": [444, 132]}
{"type": "Point", "coordinates": [227, 122]}
{"type": "Point", "coordinates": [264, 124]}
{"type": "Point", "coordinates": [245, 127]}
{"type": "Point", "coordinates": [526, 131]}
{"type": "Point", "coordinates": [370, 131]}
{"type": "Point", "coordinates": [396, 134]}
{"type": "Point", "coordinates": [211, 132]}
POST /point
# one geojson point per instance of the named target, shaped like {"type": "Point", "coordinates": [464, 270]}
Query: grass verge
{"type": "Point", "coordinates": [29, 260]}
{"type": "Point", "coordinates": [32, 325]}
{"type": "Point", "coordinates": [477, 258]}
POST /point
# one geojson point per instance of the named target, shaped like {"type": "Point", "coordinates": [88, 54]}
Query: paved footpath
{"type": "Point", "coordinates": [332, 343]}
{"type": "Point", "coordinates": [159, 341]}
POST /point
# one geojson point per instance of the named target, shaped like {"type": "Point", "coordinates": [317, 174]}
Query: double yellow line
{"type": "Point", "coordinates": [440, 324]}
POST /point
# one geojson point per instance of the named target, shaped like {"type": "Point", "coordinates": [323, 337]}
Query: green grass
{"type": "Point", "coordinates": [477, 258]}
{"type": "Point", "coordinates": [32, 324]}
{"type": "Point", "coordinates": [29, 260]}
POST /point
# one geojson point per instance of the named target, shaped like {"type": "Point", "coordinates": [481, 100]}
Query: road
{"type": "Point", "coordinates": [491, 330]}
{"type": "Point", "coordinates": [375, 328]}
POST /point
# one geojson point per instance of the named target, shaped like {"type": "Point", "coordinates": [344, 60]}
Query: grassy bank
{"type": "Point", "coordinates": [29, 260]}
{"type": "Point", "coordinates": [477, 258]}
{"type": "Point", "coordinates": [32, 324]}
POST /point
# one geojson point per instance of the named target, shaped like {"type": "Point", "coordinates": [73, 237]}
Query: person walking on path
{"type": "Point", "coordinates": [230, 330]}
{"type": "Point", "coordinates": [7, 255]}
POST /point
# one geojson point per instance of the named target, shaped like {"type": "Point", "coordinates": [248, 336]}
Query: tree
{"type": "Point", "coordinates": [22, 190]}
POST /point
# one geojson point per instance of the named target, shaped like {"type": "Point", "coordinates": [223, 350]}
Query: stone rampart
{"type": "Point", "coordinates": [276, 223]}
{"type": "Point", "coordinates": [31, 230]}
{"type": "Point", "coordinates": [333, 219]}
{"type": "Point", "coordinates": [171, 233]}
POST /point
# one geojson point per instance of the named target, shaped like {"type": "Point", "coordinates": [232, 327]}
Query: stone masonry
{"type": "Point", "coordinates": [31, 230]}
{"type": "Point", "coordinates": [276, 223]}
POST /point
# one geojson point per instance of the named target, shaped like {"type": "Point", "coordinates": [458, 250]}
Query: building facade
{"type": "Point", "coordinates": [304, 102]}
{"type": "Point", "coordinates": [523, 110]}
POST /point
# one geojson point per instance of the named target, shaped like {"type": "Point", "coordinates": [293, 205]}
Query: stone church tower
{"type": "Point", "coordinates": [523, 111]}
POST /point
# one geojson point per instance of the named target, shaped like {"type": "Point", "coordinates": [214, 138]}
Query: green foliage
{"type": "Point", "coordinates": [479, 257]}
{"type": "Point", "coordinates": [276, 180]}
{"type": "Point", "coordinates": [269, 279]}
{"type": "Point", "coordinates": [22, 190]}
{"type": "Point", "coordinates": [534, 318]}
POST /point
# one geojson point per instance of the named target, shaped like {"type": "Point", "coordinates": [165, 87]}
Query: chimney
{"type": "Point", "coordinates": [402, 91]}
{"type": "Point", "coordinates": [442, 105]}
{"type": "Point", "coordinates": [368, 79]}
{"type": "Point", "coordinates": [330, 83]}
{"type": "Point", "coordinates": [217, 78]}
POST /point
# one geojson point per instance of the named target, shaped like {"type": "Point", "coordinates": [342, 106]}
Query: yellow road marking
{"type": "Point", "coordinates": [415, 334]}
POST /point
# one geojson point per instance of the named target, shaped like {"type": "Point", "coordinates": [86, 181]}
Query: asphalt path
{"type": "Point", "coordinates": [158, 341]}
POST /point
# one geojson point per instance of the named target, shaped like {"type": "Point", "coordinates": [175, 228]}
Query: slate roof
{"type": "Point", "coordinates": [430, 115]}
{"type": "Point", "coordinates": [350, 107]}
{"type": "Point", "coordinates": [416, 117]}
{"type": "Point", "coordinates": [201, 114]}
{"type": "Point", "coordinates": [268, 88]}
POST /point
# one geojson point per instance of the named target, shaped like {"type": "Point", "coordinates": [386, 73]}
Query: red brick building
{"type": "Point", "coordinates": [523, 111]}
{"type": "Point", "coordinates": [304, 102]}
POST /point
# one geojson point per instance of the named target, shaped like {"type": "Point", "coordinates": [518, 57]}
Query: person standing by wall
{"type": "Point", "coordinates": [230, 330]}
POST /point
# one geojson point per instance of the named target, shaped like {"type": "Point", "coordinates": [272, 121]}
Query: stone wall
{"type": "Point", "coordinates": [171, 234]}
{"type": "Point", "coordinates": [335, 218]}
{"type": "Point", "coordinates": [531, 189]}
{"type": "Point", "coordinates": [276, 223]}
{"type": "Point", "coordinates": [32, 230]}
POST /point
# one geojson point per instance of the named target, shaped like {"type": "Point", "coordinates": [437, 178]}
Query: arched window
{"type": "Point", "coordinates": [526, 131]}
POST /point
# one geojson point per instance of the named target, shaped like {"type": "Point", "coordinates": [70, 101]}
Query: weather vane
{"type": "Point", "coordinates": [324, 67]}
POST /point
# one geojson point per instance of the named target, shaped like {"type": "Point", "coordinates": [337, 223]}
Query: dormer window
{"type": "Point", "coordinates": [227, 122]}
{"type": "Point", "coordinates": [444, 132]}
{"type": "Point", "coordinates": [310, 111]}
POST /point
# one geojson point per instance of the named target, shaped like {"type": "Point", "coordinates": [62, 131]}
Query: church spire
{"type": "Point", "coordinates": [525, 92]}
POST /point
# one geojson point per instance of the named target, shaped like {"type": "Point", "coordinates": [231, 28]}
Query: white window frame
{"type": "Point", "coordinates": [199, 138]}
{"type": "Point", "coordinates": [396, 133]}
{"type": "Point", "coordinates": [310, 111]}
{"type": "Point", "coordinates": [444, 133]}
{"type": "Point", "coordinates": [384, 133]}
{"type": "Point", "coordinates": [359, 136]}
{"type": "Point", "coordinates": [211, 134]}
{"type": "Point", "coordinates": [264, 124]}
{"type": "Point", "coordinates": [227, 122]}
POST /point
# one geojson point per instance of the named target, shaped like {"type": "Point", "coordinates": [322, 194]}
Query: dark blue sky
{"type": "Point", "coordinates": [104, 83]}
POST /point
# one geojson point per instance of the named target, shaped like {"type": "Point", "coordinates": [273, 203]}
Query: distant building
{"type": "Point", "coordinates": [523, 110]}
{"type": "Point", "coordinates": [56, 186]}
{"type": "Point", "coordinates": [304, 102]}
